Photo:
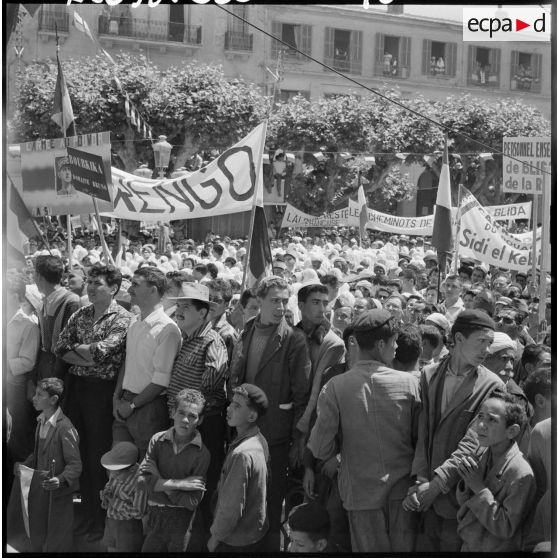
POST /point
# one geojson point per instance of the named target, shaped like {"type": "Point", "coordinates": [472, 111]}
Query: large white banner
{"type": "Point", "coordinates": [481, 238]}
{"type": "Point", "coordinates": [226, 185]}
{"type": "Point", "coordinates": [510, 211]}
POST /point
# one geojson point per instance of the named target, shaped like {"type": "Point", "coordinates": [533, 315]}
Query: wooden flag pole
{"type": "Point", "coordinates": [457, 228]}
{"type": "Point", "coordinates": [106, 251]}
{"type": "Point", "coordinates": [69, 238]}
{"type": "Point", "coordinates": [534, 247]}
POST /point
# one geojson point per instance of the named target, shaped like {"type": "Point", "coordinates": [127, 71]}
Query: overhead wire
{"type": "Point", "coordinates": [378, 93]}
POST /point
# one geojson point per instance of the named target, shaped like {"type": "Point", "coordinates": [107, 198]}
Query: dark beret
{"type": "Point", "coordinates": [255, 395]}
{"type": "Point", "coordinates": [474, 318]}
{"type": "Point", "coordinates": [372, 319]}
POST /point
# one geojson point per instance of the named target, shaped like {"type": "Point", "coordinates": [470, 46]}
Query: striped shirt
{"type": "Point", "coordinates": [121, 497]}
{"type": "Point", "coordinates": [201, 364]}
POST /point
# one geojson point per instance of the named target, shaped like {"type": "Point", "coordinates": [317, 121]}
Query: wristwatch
{"type": "Point", "coordinates": [132, 406]}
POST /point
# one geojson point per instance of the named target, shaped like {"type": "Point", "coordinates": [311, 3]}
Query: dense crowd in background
{"type": "Point", "coordinates": [358, 399]}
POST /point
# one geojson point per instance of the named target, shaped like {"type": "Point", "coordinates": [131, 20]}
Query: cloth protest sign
{"type": "Point", "coordinates": [528, 176]}
{"type": "Point", "coordinates": [296, 219]}
{"type": "Point", "coordinates": [481, 238]}
{"type": "Point", "coordinates": [226, 185]}
{"type": "Point", "coordinates": [510, 211]}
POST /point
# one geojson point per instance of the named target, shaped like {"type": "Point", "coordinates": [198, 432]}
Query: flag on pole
{"type": "Point", "coordinates": [20, 225]}
{"type": "Point", "coordinates": [363, 215]}
{"type": "Point", "coordinates": [81, 25]}
{"type": "Point", "coordinates": [62, 112]}
{"type": "Point", "coordinates": [442, 231]}
{"type": "Point", "coordinates": [259, 255]}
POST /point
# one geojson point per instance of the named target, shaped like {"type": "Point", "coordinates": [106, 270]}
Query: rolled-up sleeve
{"type": "Point", "coordinates": [168, 345]}
{"type": "Point", "coordinates": [216, 366]}
{"type": "Point", "coordinates": [28, 349]}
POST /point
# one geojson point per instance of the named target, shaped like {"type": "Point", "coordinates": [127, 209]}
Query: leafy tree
{"type": "Point", "coordinates": [194, 105]}
{"type": "Point", "coordinates": [198, 109]}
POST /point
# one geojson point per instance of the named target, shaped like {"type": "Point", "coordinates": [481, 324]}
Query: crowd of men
{"type": "Point", "coordinates": [411, 403]}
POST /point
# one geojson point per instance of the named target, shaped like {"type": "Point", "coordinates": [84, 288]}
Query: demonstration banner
{"type": "Point", "coordinates": [49, 186]}
{"type": "Point", "coordinates": [511, 211]}
{"type": "Point", "coordinates": [226, 185]}
{"type": "Point", "coordinates": [481, 238]}
{"type": "Point", "coordinates": [296, 219]}
{"type": "Point", "coordinates": [527, 176]}
{"type": "Point", "coordinates": [418, 226]}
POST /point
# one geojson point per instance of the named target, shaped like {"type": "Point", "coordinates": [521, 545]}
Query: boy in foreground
{"type": "Point", "coordinates": [498, 485]}
{"type": "Point", "coordinates": [173, 472]}
{"type": "Point", "coordinates": [308, 526]}
{"type": "Point", "coordinates": [240, 518]}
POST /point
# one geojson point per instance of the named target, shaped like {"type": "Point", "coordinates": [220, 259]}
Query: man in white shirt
{"type": "Point", "coordinates": [453, 304]}
{"type": "Point", "coordinates": [152, 343]}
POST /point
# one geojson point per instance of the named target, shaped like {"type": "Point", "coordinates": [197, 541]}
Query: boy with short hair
{"type": "Point", "coordinates": [173, 472]}
{"type": "Point", "coordinates": [498, 485]}
{"type": "Point", "coordinates": [309, 527]}
{"type": "Point", "coordinates": [240, 518]}
{"type": "Point", "coordinates": [57, 460]}
{"type": "Point", "coordinates": [125, 504]}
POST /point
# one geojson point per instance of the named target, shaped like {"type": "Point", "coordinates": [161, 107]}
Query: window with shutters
{"type": "Point", "coordinates": [439, 59]}
{"type": "Point", "coordinates": [343, 50]}
{"type": "Point", "coordinates": [393, 56]}
{"type": "Point", "coordinates": [525, 71]}
{"type": "Point", "coordinates": [484, 66]}
{"type": "Point", "coordinates": [295, 35]}
{"type": "Point", "coordinates": [236, 35]}
{"type": "Point", "coordinates": [287, 94]}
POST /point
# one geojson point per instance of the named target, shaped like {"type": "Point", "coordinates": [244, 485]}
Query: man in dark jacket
{"type": "Point", "coordinates": [58, 305]}
{"type": "Point", "coordinates": [274, 356]}
{"type": "Point", "coordinates": [452, 393]}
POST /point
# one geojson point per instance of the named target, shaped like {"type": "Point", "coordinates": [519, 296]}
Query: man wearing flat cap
{"type": "Point", "coordinates": [452, 393]}
{"type": "Point", "coordinates": [374, 410]}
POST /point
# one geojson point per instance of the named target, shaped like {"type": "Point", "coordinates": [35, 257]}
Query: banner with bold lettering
{"type": "Point", "coordinates": [296, 219]}
{"type": "Point", "coordinates": [510, 211]}
{"type": "Point", "coordinates": [226, 185]}
{"type": "Point", "coordinates": [481, 238]}
{"type": "Point", "coordinates": [48, 184]}
{"type": "Point", "coordinates": [418, 226]}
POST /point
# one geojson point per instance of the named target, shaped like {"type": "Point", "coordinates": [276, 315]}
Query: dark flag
{"type": "Point", "coordinates": [62, 112]}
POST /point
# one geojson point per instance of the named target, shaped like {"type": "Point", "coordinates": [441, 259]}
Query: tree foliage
{"type": "Point", "coordinates": [196, 107]}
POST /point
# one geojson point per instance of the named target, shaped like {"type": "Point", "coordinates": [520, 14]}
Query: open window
{"type": "Point", "coordinates": [484, 66]}
{"type": "Point", "coordinates": [525, 71]}
{"type": "Point", "coordinates": [343, 50]}
{"type": "Point", "coordinates": [392, 56]}
{"type": "Point", "coordinates": [295, 35]}
{"type": "Point", "coordinates": [439, 58]}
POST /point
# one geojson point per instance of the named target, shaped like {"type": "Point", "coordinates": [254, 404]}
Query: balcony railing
{"type": "Point", "coordinates": [344, 65]}
{"type": "Point", "coordinates": [50, 20]}
{"type": "Point", "coordinates": [391, 71]}
{"type": "Point", "coordinates": [522, 79]}
{"type": "Point", "coordinates": [483, 78]}
{"type": "Point", "coordinates": [237, 40]}
{"type": "Point", "coordinates": [150, 30]}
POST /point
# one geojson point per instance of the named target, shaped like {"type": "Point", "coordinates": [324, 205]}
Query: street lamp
{"type": "Point", "coordinates": [162, 151]}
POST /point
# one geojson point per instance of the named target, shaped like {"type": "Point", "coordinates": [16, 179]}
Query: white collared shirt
{"type": "Point", "coordinates": [151, 347]}
{"type": "Point", "coordinates": [22, 344]}
{"type": "Point", "coordinates": [46, 425]}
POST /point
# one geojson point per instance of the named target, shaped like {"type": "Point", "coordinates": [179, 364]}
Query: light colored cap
{"type": "Point", "coordinates": [192, 291]}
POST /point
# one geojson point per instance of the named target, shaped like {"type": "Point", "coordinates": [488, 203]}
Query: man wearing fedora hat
{"type": "Point", "coordinates": [202, 364]}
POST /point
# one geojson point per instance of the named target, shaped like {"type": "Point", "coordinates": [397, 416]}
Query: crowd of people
{"type": "Point", "coordinates": [358, 399]}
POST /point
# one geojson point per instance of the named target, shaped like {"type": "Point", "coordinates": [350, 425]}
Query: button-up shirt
{"type": "Point", "coordinates": [106, 335]}
{"type": "Point", "coordinates": [452, 382]}
{"type": "Point", "coordinates": [151, 347]}
{"type": "Point", "coordinates": [22, 345]}
{"type": "Point", "coordinates": [454, 310]}
{"type": "Point", "coordinates": [47, 424]}
{"type": "Point", "coordinates": [201, 364]}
